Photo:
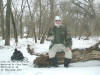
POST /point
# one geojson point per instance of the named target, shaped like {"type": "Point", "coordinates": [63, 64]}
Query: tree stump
{"type": "Point", "coordinates": [79, 55]}
{"type": "Point", "coordinates": [29, 50]}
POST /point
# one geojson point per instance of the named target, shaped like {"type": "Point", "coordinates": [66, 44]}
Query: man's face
{"type": "Point", "coordinates": [58, 22]}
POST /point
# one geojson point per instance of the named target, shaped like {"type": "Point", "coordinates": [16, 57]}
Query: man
{"type": "Point", "coordinates": [62, 41]}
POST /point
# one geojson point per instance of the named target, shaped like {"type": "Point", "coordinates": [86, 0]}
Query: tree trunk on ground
{"type": "Point", "coordinates": [7, 37]}
{"type": "Point", "coordinates": [79, 55]}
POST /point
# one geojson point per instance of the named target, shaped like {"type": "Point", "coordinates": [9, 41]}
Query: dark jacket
{"type": "Point", "coordinates": [61, 36]}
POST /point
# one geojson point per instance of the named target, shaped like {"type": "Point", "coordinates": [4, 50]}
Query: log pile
{"type": "Point", "coordinates": [79, 55]}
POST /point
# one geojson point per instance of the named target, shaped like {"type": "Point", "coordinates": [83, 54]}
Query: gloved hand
{"type": "Point", "coordinates": [68, 49]}
{"type": "Point", "coordinates": [50, 38]}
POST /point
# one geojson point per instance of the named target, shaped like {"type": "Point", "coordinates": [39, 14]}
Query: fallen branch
{"type": "Point", "coordinates": [79, 55]}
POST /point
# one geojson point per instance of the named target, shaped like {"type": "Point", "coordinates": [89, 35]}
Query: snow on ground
{"type": "Point", "coordinates": [81, 44]}
{"type": "Point", "coordinates": [27, 67]}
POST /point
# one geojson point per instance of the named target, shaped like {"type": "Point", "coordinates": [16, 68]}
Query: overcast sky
{"type": "Point", "coordinates": [18, 3]}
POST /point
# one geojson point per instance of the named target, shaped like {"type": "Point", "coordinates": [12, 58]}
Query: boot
{"type": "Point", "coordinates": [54, 62]}
{"type": "Point", "coordinates": [66, 62]}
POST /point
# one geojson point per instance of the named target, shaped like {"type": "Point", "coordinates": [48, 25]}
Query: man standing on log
{"type": "Point", "coordinates": [61, 41]}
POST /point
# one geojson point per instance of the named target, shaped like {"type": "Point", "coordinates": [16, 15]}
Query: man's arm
{"type": "Point", "coordinates": [50, 35]}
{"type": "Point", "coordinates": [68, 40]}
{"type": "Point", "coordinates": [51, 31]}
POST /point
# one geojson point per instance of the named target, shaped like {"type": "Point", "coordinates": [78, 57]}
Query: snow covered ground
{"type": "Point", "coordinates": [27, 67]}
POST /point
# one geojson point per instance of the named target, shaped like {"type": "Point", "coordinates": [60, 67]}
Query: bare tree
{"type": "Point", "coordinates": [87, 7]}
{"type": "Point", "coordinates": [88, 15]}
{"type": "Point", "coordinates": [52, 12]}
{"type": "Point", "coordinates": [2, 18]}
{"type": "Point", "coordinates": [8, 10]}
{"type": "Point", "coordinates": [21, 17]}
{"type": "Point", "coordinates": [40, 27]}
{"type": "Point", "coordinates": [32, 21]}
{"type": "Point", "coordinates": [51, 21]}
{"type": "Point", "coordinates": [14, 28]}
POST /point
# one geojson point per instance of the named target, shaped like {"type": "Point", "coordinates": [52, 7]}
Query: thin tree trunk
{"type": "Point", "coordinates": [2, 19]}
{"type": "Point", "coordinates": [40, 27]}
{"type": "Point", "coordinates": [32, 21]}
{"type": "Point", "coordinates": [7, 38]}
{"type": "Point", "coordinates": [21, 27]}
{"type": "Point", "coordinates": [21, 18]}
{"type": "Point", "coordinates": [14, 28]}
{"type": "Point", "coordinates": [51, 12]}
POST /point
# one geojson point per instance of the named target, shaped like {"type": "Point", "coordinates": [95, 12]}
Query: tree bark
{"type": "Point", "coordinates": [21, 18]}
{"type": "Point", "coordinates": [40, 26]}
{"type": "Point", "coordinates": [2, 19]}
{"type": "Point", "coordinates": [14, 28]}
{"type": "Point", "coordinates": [7, 38]}
{"type": "Point", "coordinates": [32, 22]}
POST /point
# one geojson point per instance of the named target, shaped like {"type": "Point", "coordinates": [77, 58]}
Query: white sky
{"type": "Point", "coordinates": [17, 3]}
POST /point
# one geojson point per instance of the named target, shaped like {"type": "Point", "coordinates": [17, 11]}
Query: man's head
{"type": "Point", "coordinates": [57, 21]}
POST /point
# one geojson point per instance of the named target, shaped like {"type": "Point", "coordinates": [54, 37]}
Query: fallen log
{"type": "Point", "coordinates": [79, 55]}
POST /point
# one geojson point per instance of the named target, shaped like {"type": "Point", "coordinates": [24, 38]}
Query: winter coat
{"type": "Point", "coordinates": [61, 36]}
